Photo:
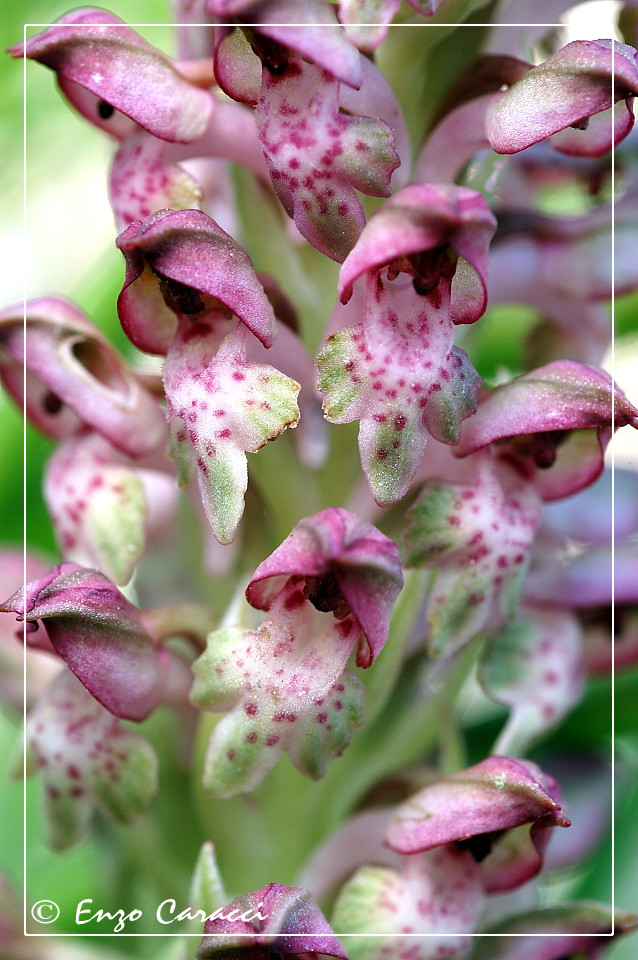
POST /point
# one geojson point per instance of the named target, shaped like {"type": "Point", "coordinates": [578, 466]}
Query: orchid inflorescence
{"type": "Point", "coordinates": [319, 627]}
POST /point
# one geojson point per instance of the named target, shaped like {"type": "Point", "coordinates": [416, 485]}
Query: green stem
{"type": "Point", "coordinates": [381, 678]}
{"type": "Point", "coordinates": [402, 735]}
{"type": "Point", "coordinates": [289, 489]}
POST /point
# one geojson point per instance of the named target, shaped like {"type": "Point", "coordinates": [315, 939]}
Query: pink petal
{"type": "Point", "coordinates": [422, 218]}
{"type": "Point", "coordinates": [97, 633]}
{"type": "Point", "coordinates": [291, 924]}
{"type": "Point", "coordinates": [100, 52]}
{"type": "Point", "coordinates": [75, 377]}
{"type": "Point", "coordinates": [308, 27]}
{"type": "Point", "coordinates": [497, 794]}
{"type": "Point", "coordinates": [571, 86]}
{"type": "Point", "coordinates": [189, 250]}
{"type": "Point", "coordinates": [364, 562]}
{"type": "Point", "coordinates": [561, 396]}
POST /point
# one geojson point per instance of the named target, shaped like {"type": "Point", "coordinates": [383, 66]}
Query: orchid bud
{"type": "Point", "coordinates": [283, 28]}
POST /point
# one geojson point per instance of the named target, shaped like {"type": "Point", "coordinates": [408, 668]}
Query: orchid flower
{"type": "Point", "coordinates": [74, 377]}
{"type": "Point", "coordinates": [398, 371]}
{"type": "Point", "coordinates": [105, 507]}
{"type": "Point", "coordinates": [273, 921]}
{"type": "Point", "coordinates": [328, 588]}
{"type": "Point", "coordinates": [485, 810]}
{"type": "Point", "coordinates": [218, 404]}
{"type": "Point", "coordinates": [116, 79]}
{"type": "Point", "coordinates": [581, 80]}
{"type": "Point", "coordinates": [86, 760]}
{"type": "Point", "coordinates": [98, 634]}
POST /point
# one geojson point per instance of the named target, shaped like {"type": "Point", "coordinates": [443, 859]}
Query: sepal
{"type": "Point", "coordinates": [98, 634]}
{"type": "Point", "coordinates": [101, 62]}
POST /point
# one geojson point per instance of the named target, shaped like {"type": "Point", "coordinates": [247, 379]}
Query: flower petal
{"type": "Point", "coordinates": [86, 761]}
{"type": "Point", "coordinates": [571, 86]}
{"type": "Point", "coordinates": [99, 635]}
{"type": "Point", "coordinates": [196, 257]}
{"type": "Point", "coordinates": [318, 155]}
{"type": "Point", "coordinates": [98, 51]}
{"type": "Point", "coordinates": [75, 377]}
{"type": "Point", "coordinates": [423, 218]}
{"type": "Point", "coordinates": [477, 538]}
{"type": "Point", "coordinates": [364, 563]}
{"type": "Point", "coordinates": [494, 795]}
{"type": "Point", "coordinates": [433, 894]}
{"type": "Point", "coordinates": [399, 374]}
{"type": "Point", "coordinates": [284, 688]}
{"type": "Point", "coordinates": [219, 407]}
{"type": "Point", "coordinates": [535, 667]}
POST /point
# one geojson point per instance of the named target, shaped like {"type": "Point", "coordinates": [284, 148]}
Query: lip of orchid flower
{"type": "Point", "coordinates": [274, 920]}
{"type": "Point", "coordinates": [183, 255]}
{"type": "Point", "coordinates": [417, 231]}
{"type": "Point", "coordinates": [558, 416]}
{"type": "Point", "coordinates": [349, 567]}
{"type": "Point", "coordinates": [86, 759]}
{"type": "Point", "coordinates": [74, 377]}
{"type": "Point", "coordinates": [474, 808]}
{"type": "Point", "coordinates": [98, 634]}
{"type": "Point", "coordinates": [104, 67]}
{"type": "Point", "coordinates": [566, 91]}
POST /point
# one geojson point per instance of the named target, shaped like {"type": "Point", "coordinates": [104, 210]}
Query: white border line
{"type": "Point", "coordinates": [419, 936]}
